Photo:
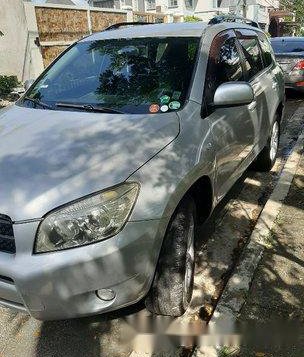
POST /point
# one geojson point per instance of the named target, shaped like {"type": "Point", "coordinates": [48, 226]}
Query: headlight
{"type": "Point", "coordinates": [88, 220]}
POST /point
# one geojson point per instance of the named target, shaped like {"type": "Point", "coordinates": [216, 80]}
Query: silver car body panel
{"type": "Point", "coordinates": [48, 158]}
{"type": "Point", "coordinates": [62, 284]}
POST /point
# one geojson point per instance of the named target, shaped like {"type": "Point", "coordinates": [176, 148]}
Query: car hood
{"type": "Point", "coordinates": [48, 158]}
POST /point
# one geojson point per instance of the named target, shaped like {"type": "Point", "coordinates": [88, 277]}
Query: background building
{"type": "Point", "coordinates": [257, 10]}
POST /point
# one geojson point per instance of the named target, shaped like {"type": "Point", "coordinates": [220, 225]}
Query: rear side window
{"type": "Point", "coordinates": [224, 64]}
{"type": "Point", "coordinates": [266, 50]}
{"type": "Point", "coordinates": [286, 46]}
{"type": "Point", "coordinates": [252, 55]}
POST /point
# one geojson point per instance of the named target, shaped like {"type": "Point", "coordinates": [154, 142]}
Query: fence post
{"type": "Point", "coordinates": [89, 20]}
{"type": "Point", "coordinates": [130, 16]}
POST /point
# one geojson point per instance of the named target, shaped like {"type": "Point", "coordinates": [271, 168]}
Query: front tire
{"type": "Point", "coordinates": [267, 157]}
{"type": "Point", "coordinates": [172, 287]}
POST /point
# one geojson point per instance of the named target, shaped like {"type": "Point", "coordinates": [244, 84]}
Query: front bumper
{"type": "Point", "coordinates": [62, 284]}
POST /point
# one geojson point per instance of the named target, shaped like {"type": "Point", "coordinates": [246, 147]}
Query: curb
{"type": "Point", "coordinates": [236, 290]}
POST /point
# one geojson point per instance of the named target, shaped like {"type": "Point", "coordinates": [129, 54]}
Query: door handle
{"type": "Point", "coordinates": [252, 106]}
{"type": "Point", "coordinates": [256, 87]}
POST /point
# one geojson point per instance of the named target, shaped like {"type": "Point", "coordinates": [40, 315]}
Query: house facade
{"type": "Point", "coordinates": [257, 10]}
{"type": "Point", "coordinates": [173, 7]}
{"type": "Point", "coordinates": [116, 4]}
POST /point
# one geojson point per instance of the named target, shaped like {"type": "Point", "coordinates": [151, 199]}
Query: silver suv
{"type": "Point", "coordinates": [115, 154]}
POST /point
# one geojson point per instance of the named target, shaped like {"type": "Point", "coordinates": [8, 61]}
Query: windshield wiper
{"type": "Point", "coordinates": [88, 108]}
{"type": "Point", "coordinates": [38, 102]}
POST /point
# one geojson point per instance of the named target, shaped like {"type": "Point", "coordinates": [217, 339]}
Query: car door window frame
{"type": "Point", "coordinates": [260, 35]}
{"type": "Point", "coordinates": [247, 34]}
{"type": "Point", "coordinates": [206, 106]}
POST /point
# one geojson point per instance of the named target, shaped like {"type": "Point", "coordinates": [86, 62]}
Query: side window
{"type": "Point", "coordinates": [229, 67]}
{"type": "Point", "coordinates": [224, 64]}
{"type": "Point", "coordinates": [266, 50]}
{"type": "Point", "coordinates": [252, 55]}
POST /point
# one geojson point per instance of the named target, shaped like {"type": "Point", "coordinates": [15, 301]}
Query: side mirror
{"type": "Point", "coordinates": [28, 83]}
{"type": "Point", "coordinates": [233, 94]}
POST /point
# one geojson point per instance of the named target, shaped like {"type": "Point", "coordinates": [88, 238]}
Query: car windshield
{"type": "Point", "coordinates": [287, 46]}
{"type": "Point", "coordinates": [141, 75]}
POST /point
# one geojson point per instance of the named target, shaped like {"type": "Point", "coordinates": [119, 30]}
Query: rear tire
{"type": "Point", "coordinates": [267, 157]}
{"type": "Point", "coordinates": [172, 287]}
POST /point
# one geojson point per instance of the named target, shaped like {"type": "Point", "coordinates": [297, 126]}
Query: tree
{"type": "Point", "coordinates": [192, 18]}
{"type": "Point", "coordinates": [296, 6]}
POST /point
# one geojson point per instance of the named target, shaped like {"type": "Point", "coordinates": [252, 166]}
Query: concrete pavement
{"type": "Point", "coordinates": [277, 291]}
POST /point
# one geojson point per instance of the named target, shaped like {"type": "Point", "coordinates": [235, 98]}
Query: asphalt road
{"type": "Point", "coordinates": [109, 335]}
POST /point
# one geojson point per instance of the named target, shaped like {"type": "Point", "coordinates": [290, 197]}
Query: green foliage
{"type": "Point", "coordinates": [7, 84]}
{"type": "Point", "coordinates": [192, 18]}
{"type": "Point", "coordinates": [227, 352]}
{"type": "Point", "coordinates": [296, 6]}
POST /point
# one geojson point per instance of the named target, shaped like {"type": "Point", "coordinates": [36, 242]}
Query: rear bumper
{"type": "Point", "coordinates": [292, 80]}
{"type": "Point", "coordinates": [294, 87]}
{"type": "Point", "coordinates": [63, 284]}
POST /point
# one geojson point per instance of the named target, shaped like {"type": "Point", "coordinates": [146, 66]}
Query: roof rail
{"type": "Point", "coordinates": [122, 24]}
{"type": "Point", "coordinates": [232, 18]}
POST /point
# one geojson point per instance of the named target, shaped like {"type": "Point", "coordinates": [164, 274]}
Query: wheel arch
{"type": "Point", "coordinates": [280, 111]}
{"type": "Point", "coordinates": [202, 193]}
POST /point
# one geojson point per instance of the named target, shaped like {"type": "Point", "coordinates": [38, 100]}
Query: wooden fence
{"type": "Point", "coordinates": [59, 26]}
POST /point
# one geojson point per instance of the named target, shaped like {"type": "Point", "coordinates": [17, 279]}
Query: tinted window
{"type": "Point", "coordinates": [253, 57]}
{"type": "Point", "coordinates": [229, 63]}
{"type": "Point", "coordinates": [129, 75]}
{"type": "Point", "coordinates": [224, 65]}
{"type": "Point", "coordinates": [286, 46]}
{"type": "Point", "coordinates": [266, 50]}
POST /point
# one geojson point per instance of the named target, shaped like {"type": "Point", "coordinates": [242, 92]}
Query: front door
{"type": "Point", "coordinates": [233, 129]}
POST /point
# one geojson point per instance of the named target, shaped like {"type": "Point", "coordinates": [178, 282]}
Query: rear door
{"type": "Point", "coordinates": [275, 91]}
{"type": "Point", "coordinates": [260, 79]}
{"type": "Point", "coordinates": [233, 128]}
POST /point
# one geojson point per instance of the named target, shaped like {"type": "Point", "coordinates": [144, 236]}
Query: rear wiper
{"type": "Point", "coordinates": [88, 108]}
{"type": "Point", "coordinates": [38, 102]}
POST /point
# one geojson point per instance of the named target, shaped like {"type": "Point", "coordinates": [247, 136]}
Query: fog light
{"type": "Point", "coordinates": [106, 294]}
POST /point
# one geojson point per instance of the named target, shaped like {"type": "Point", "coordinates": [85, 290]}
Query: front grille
{"type": "Point", "coordinates": [7, 240]}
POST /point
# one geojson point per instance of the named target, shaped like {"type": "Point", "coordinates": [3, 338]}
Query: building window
{"type": "Point", "coordinates": [104, 3]}
{"type": "Point", "coordinates": [173, 3]}
{"type": "Point", "coordinates": [189, 3]}
{"type": "Point", "coordinates": [150, 4]}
